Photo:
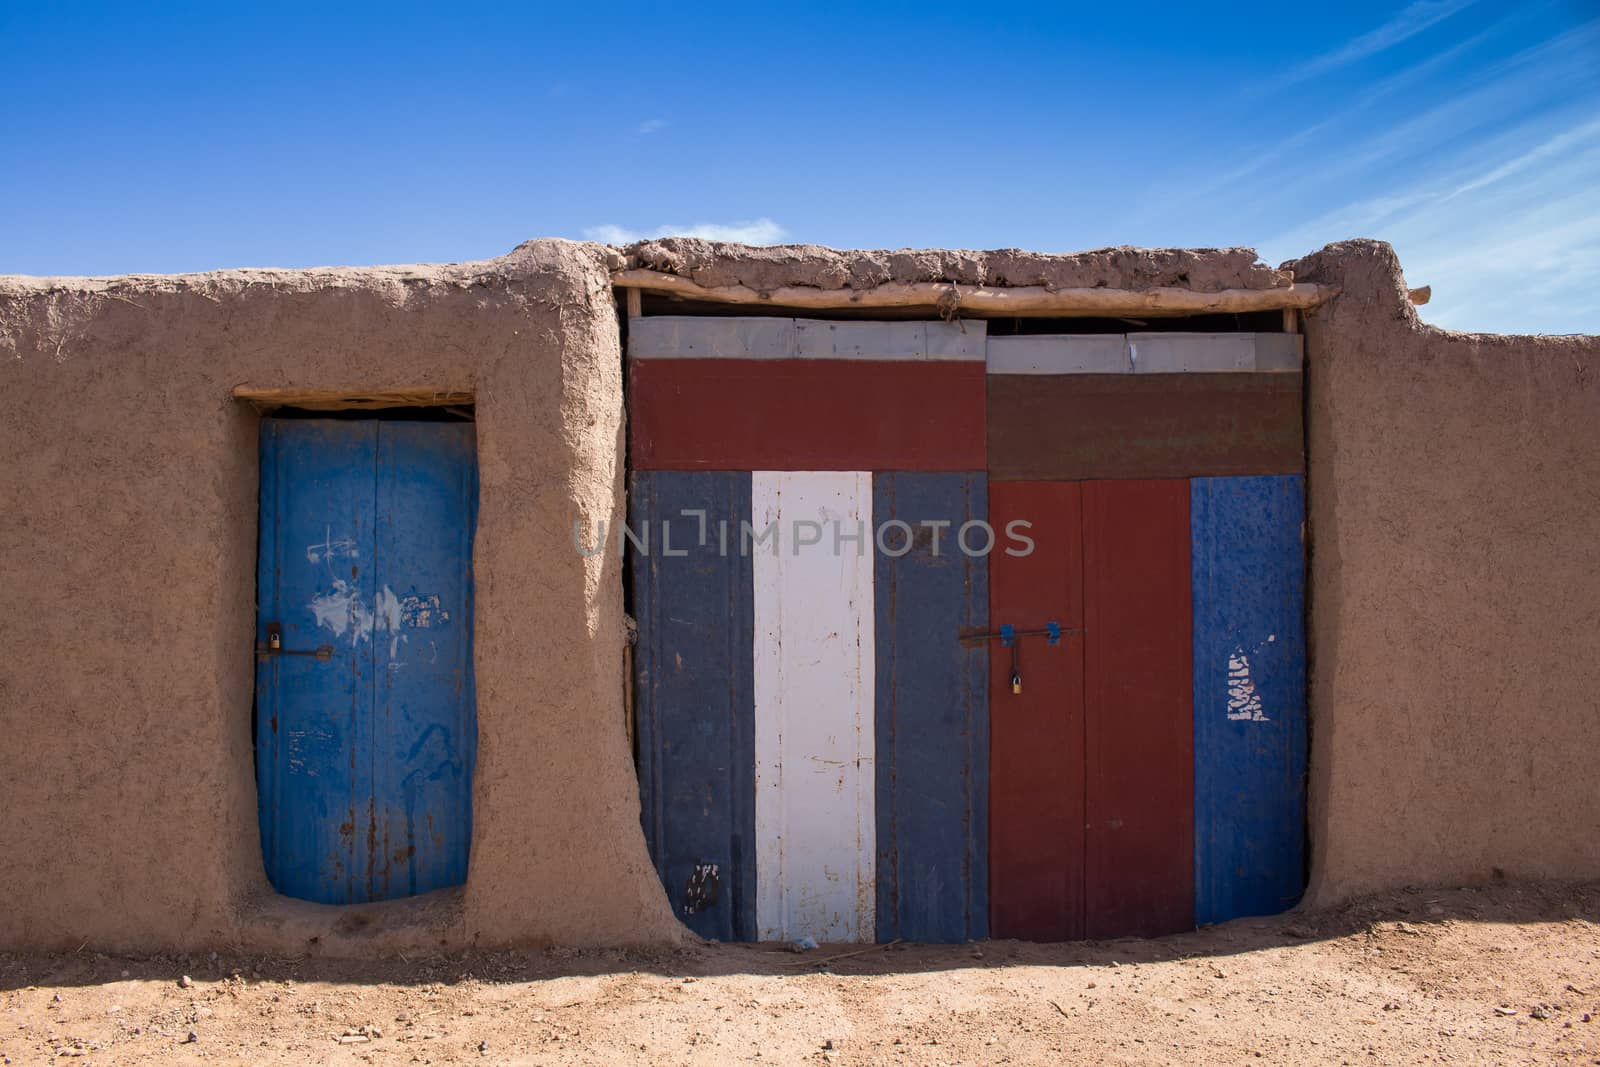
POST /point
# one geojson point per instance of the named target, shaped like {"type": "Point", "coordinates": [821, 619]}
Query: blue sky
{"type": "Point", "coordinates": [169, 137]}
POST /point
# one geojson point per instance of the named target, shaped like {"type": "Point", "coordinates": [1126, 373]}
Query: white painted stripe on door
{"type": "Point", "coordinates": [816, 839]}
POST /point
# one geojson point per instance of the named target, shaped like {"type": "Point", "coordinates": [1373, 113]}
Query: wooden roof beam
{"type": "Point", "coordinates": [1022, 301]}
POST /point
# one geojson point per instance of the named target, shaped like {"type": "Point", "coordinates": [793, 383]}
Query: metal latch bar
{"type": "Point", "coordinates": [1008, 634]}
{"type": "Point", "coordinates": [273, 646]}
{"type": "Point", "coordinates": [1011, 637]}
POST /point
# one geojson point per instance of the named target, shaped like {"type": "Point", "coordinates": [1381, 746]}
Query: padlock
{"type": "Point", "coordinates": [1016, 682]}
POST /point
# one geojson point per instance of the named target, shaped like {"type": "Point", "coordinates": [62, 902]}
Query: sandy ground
{"type": "Point", "coordinates": [1504, 974]}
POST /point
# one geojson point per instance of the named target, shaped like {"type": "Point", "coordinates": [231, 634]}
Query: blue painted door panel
{"type": "Point", "coordinates": [364, 760]}
{"type": "Point", "coordinates": [931, 711]}
{"type": "Point", "coordinates": [1249, 694]}
{"type": "Point", "coordinates": [694, 695]}
{"type": "Point", "coordinates": [424, 721]}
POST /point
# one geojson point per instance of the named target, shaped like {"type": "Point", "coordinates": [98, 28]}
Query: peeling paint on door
{"type": "Point", "coordinates": [1244, 703]}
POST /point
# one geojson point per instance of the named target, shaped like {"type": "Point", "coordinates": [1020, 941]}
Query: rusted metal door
{"type": "Point", "coordinates": [366, 725]}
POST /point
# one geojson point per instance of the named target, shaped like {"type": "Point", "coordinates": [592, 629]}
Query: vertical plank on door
{"type": "Point", "coordinates": [695, 694]}
{"type": "Point", "coordinates": [931, 708]}
{"type": "Point", "coordinates": [1249, 695]}
{"type": "Point", "coordinates": [418, 826]}
{"type": "Point", "coordinates": [814, 734]}
{"type": "Point", "coordinates": [313, 716]}
{"type": "Point", "coordinates": [1139, 876]}
{"type": "Point", "coordinates": [1036, 781]}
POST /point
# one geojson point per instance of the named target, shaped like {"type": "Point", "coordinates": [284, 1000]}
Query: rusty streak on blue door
{"type": "Point", "coordinates": [364, 757]}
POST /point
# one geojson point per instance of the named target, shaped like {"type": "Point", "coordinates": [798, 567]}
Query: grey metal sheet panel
{"type": "Point", "coordinates": [1145, 353]}
{"type": "Point", "coordinates": [702, 337]}
{"type": "Point", "coordinates": [1102, 353]}
{"type": "Point", "coordinates": [821, 339]}
{"type": "Point", "coordinates": [1279, 351]}
{"type": "Point", "coordinates": [1211, 353]}
{"type": "Point", "coordinates": [749, 337]}
{"type": "Point", "coordinates": [962, 339]}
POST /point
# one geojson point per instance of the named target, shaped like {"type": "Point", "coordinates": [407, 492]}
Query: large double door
{"type": "Point", "coordinates": [1091, 781]}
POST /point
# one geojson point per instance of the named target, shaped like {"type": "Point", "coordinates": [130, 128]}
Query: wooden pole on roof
{"type": "Point", "coordinates": [1023, 301]}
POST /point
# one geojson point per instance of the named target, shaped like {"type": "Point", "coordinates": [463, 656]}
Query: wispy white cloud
{"type": "Point", "coordinates": [652, 125]}
{"type": "Point", "coordinates": [1520, 253]}
{"type": "Point", "coordinates": [762, 231]}
{"type": "Point", "coordinates": [1555, 146]}
{"type": "Point", "coordinates": [1275, 169]}
{"type": "Point", "coordinates": [611, 235]}
{"type": "Point", "coordinates": [1379, 90]}
{"type": "Point", "coordinates": [1422, 155]}
{"type": "Point", "coordinates": [1488, 124]}
{"type": "Point", "coordinates": [1516, 249]}
{"type": "Point", "coordinates": [1411, 21]}
{"type": "Point", "coordinates": [1538, 73]}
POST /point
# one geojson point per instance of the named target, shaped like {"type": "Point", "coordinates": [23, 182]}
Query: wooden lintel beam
{"type": "Point", "coordinates": [333, 399]}
{"type": "Point", "coordinates": [1027, 301]}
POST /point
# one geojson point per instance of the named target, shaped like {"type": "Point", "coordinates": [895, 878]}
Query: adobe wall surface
{"type": "Point", "coordinates": [127, 547]}
{"type": "Point", "coordinates": [1454, 506]}
{"type": "Point", "coordinates": [1454, 488]}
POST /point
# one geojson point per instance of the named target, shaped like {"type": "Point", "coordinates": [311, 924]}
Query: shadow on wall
{"type": "Point", "coordinates": [1410, 912]}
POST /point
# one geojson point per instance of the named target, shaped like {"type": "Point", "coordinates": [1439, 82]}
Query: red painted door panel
{"type": "Point", "coordinates": [1138, 696]}
{"type": "Point", "coordinates": [1036, 757]}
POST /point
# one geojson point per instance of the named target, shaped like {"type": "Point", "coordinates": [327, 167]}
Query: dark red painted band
{"type": "Point", "coordinates": [804, 414]}
{"type": "Point", "coordinates": [1076, 427]}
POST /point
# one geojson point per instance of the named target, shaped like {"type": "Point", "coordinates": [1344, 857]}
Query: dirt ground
{"type": "Point", "coordinates": [1503, 974]}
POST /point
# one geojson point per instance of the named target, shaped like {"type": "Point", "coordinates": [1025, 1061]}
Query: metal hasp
{"type": "Point", "coordinates": [1010, 637]}
{"type": "Point", "coordinates": [1008, 634]}
{"type": "Point", "coordinates": [274, 646]}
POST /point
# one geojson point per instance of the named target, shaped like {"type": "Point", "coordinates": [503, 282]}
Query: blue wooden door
{"type": "Point", "coordinates": [366, 724]}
